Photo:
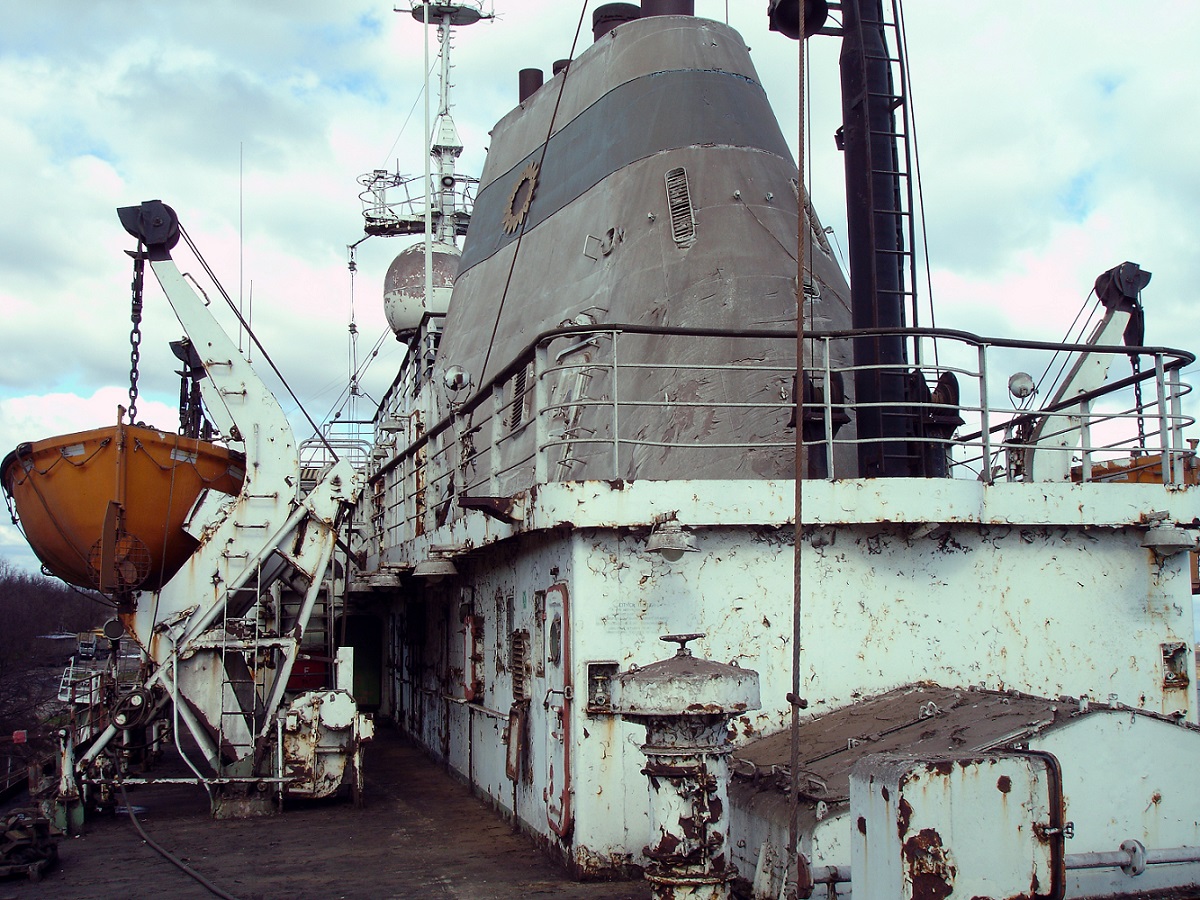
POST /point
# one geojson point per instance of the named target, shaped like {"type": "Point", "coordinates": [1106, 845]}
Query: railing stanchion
{"type": "Point", "coordinates": [1164, 431]}
{"type": "Point", "coordinates": [1177, 476]}
{"type": "Point", "coordinates": [541, 358]}
{"type": "Point", "coordinates": [985, 425]}
{"type": "Point", "coordinates": [616, 406]}
{"type": "Point", "coordinates": [1085, 440]}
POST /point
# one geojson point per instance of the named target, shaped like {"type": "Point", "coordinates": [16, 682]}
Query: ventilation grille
{"type": "Point", "coordinates": [679, 201]}
{"type": "Point", "coordinates": [518, 664]}
{"type": "Point", "coordinates": [519, 401]}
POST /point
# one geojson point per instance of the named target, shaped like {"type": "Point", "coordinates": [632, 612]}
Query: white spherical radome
{"type": "Point", "coordinates": [404, 300]}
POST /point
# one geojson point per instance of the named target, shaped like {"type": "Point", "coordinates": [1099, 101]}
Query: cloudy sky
{"type": "Point", "coordinates": [1056, 141]}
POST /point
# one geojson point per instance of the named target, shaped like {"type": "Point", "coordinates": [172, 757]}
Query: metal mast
{"type": "Point", "coordinates": [442, 207]}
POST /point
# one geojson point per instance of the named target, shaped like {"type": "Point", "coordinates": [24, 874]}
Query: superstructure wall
{"type": "Point", "coordinates": [1045, 591]}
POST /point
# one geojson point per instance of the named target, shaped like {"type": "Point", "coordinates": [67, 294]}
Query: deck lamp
{"type": "Point", "coordinates": [435, 567]}
{"type": "Point", "coordinates": [670, 540]}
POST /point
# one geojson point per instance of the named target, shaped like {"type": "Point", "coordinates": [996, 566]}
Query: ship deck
{"type": "Point", "coordinates": [421, 833]}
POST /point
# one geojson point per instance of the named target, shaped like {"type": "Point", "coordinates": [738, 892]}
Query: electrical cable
{"type": "Point", "coordinates": [338, 404]}
{"type": "Point", "coordinates": [525, 218]}
{"type": "Point", "coordinates": [1072, 337]}
{"type": "Point", "coordinates": [166, 854]}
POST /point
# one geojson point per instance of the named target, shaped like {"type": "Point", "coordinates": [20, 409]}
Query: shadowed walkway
{"type": "Point", "coordinates": [421, 835]}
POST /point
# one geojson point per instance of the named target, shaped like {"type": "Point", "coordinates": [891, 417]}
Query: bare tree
{"type": "Point", "coordinates": [31, 606]}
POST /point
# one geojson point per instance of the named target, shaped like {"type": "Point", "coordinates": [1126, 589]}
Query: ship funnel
{"type": "Point", "coordinates": [528, 82]}
{"type": "Point", "coordinates": [610, 15]}
{"type": "Point", "coordinates": [668, 8]}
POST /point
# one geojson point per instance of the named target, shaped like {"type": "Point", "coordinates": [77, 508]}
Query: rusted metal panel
{"type": "Point", "coordinates": [987, 825]}
{"type": "Point", "coordinates": [925, 719]}
{"type": "Point", "coordinates": [765, 502]}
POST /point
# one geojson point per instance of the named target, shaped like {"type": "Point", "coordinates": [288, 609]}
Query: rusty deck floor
{"type": "Point", "coordinates": [421, 834]}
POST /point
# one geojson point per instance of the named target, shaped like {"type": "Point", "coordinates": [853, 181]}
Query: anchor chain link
{"type": "Point", "coordinates": [135, 334]}
{"type": "Point", "coordinates": [1136, 365]}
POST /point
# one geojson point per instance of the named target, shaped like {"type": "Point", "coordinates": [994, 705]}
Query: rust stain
{"type": "Point", "coordinates": [929, 866]}
{"type": "Point", "coordinates": [942, 767]}
{"type": "Point", "coordinates": [666, 846]}
{"type": "Point", "coordinates": [693, 827]}
{"type": "Point", "coordinates": [1004, 784]}
{"type": "Point", "coordinates": [903, 817]}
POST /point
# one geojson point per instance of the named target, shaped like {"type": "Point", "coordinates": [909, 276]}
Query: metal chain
{"type": "Point", "coordinates": [135, 334]}
{"type": "Point", "coordinates": [1136, 364]}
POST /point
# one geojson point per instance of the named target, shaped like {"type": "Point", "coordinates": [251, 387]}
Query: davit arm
{"type": "Point", "coordinates": [266, 534]}
{"type": "Point", "coordinates": [1118, 289]}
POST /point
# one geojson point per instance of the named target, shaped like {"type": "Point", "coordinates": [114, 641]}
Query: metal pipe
{"type": "Point", "coordinates": [1132, 858]}
{"type": "Point", "coordinates": [831, 875]}
{"type": "Point", "coordinates": [610, 15]}
{"type": "Point", "coordinates": [528, 82]}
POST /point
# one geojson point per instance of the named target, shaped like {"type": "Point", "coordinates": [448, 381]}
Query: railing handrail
{"type": "Point", "coordinates": [1177, 359]}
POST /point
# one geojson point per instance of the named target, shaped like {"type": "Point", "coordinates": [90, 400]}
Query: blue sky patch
{"type": "Point", "coordinates": [1076, 197]}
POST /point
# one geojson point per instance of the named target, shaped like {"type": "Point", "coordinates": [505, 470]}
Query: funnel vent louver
{"type": "Point", "coordinates": [679, 201]}
{"type": "Point", "coordinates": [520, 400]}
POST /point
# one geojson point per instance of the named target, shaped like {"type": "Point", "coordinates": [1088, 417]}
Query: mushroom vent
{"type": "Point", "coordinates": [685, 685]}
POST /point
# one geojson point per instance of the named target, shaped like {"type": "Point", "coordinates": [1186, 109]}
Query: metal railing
{"type": "Point", "coordinates": [657, 403]}
{"type": "Point", "coordinates": [82, 682]}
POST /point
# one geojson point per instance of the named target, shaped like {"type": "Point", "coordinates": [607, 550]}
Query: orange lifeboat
{"type": "Point", "coordinates": [105, 509]}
